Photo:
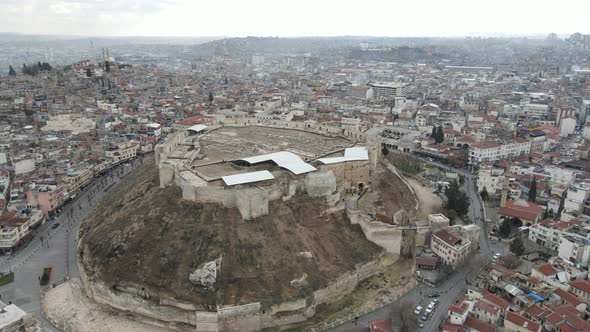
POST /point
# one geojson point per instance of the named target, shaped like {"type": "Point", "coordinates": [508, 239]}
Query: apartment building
{"type": "Point", "coordinates": [548, 233]}
{"type": "Point", "coordinates": [388, 90]}
{"type": "Point", "coordinates": [574, 248]}
{"type": "Point", "coordinates": [75, 179]}
{"type": "Point", "coordinates": [121, 152]}
{"type": "Point", "coordinates": [47, 198]}
{"type": "Point", "coordinates": [491, 179]}
{"type": "Point", "coordinates": [488, 152]}
{"type": "Point", "coordinates": [15, 228]}
{"type": "Point", "coordinates": [449, 247]}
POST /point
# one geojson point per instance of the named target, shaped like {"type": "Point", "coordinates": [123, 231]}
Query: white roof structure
{"type": "Point", "coordinates": [198, 128]}
{"type": "Point", "coordinates": [232, 180]}
{"type": "Point", "coordinates": [350, 154]}
{"type": "Point", "coordinates": [154, 125]}
{"type": "Point", "coordinates": [284, 159]}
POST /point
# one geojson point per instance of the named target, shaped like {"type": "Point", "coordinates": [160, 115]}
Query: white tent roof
{"type": "Point", "coordinates": [198, 128]}
{"type": "Point", "coordinates": [232, 180]}
{"type": "Point", "coordinates": [350, 154]}
{"type": "Point", "coordinates": [284, 159]}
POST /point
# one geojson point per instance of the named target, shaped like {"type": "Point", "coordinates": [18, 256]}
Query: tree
{"type": "Point", "coordinates": [404, 313]}
{"type": "Point", "coordinates": [457, 199]}
{"type": "Point", "coordinates": [533, 190]}
{"type": "Point", "coordinates": [210, 97]}
{"type": "Point", "coordinates": [440, 135]}
{"type": "Point", "coordinates": [510, 261]}
{"type": "Point", "coordinates": [484, 194]}
{"type": "Point", "coordinates": [107, 66]}
{"type": "Point", "coordinates": [88, 72]}
{"type": "Point", "coordinates": [385, 151]}
{"type": "Point", "coordinates": [452, 215]}
{"type": "Point", "coordinates": [504, 230]}
{"type": "Point", "coordinates": [11, 71]}
{"type": "Point", "coordinates": [461, 179]}
{"type": "Point", "coordinates": [546, 213]}
{"type": "Point", "coordinates": [517, 247]}
{"type": "Point", "coordinates": [433, 133]}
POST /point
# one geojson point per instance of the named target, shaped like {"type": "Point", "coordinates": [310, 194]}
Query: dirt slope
{"type": "Point", "coordinates": [145, 236]}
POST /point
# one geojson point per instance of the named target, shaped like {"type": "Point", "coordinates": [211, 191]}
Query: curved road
{"type": "Point", "coordinates": [56, 246]}
{"type": "Point", "coordinates": [453, 286]}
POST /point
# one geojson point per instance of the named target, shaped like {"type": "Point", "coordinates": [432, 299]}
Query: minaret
{"type": "Point", "coordinates": [505, 188]}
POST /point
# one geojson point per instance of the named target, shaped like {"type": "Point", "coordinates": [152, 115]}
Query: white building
{"type": "Point", "coordinates": [122, 152]}
{"type": "Point", "coordinates": [536, 110]}
{"type": "Point", "coordinates": [560, 176]}
{"type": "Point", "coordinates": [258, 60]}
{"type": "Point", "coordinates": [548, 233]}
{"type": "Point", "coordinates": [450, 248]}
{"type": "Point", "coordinates": [575, 249]}
{"type": "Point", "coordinates": [567, 127]}
{"type": "Point", "coordinates": [491, 179]}
{"type": "Point", "coordinates": [485, 152]}
{"type": "Point", "coordinates": [388, 90]}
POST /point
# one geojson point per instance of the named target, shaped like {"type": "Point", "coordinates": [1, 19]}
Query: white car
{"type": "Point", "coordinates": [418, 309]}
{"type": "Point", "coordinates": [497, 255]}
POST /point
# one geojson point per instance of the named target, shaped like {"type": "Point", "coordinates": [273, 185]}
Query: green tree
{"type": "Point", "coordinates": [107, 66]}
{"type": "Point", "coordinates": [457, 199]}
{"type": "Point", "coordinates": [546, 213]}
{"type": "Point", "coordinates": [440, 135]}
{"type": "Point", "coordinates": [452, 215]}
{"type": "Point", "coordinates": [461, 179]}
{"type": "Point", "coordinates": [504, 230]}
{"type": "Point", "coordinates": [88, 72]}
{"type": "Point", "coordinates": [533, 190]}
{"type": "Point", "coordinates": [484, 194]}
{"type": "Point", "coordinates": [210, 97]}
{"type": "Point", "coordinates": [11, 71]}
{"type": "Point", "coordinates": [433, 133]}
{"type": "Point", "coordinates": [517, 247]}
{"type": "Point", "coordinates": [384, 151]}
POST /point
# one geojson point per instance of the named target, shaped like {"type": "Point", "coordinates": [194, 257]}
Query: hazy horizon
{"type": "Point", "coordinates": [264, 18]}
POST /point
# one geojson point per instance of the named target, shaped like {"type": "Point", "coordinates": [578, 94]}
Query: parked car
{"type": "Point", "coordinates": [436, 300]}
{"type": "Point", "coordinates": [434, 294]}
{"type": "Point", "coordinates": [497, 255]}
{"type": "Point", "coordinates": [54, 226]}
{"type": "Point", "coordinates": [418, 309]}
{"type": "Point", "coordinates": [420, 324]}
{"type": "Point", "coordinates": [424, 317]}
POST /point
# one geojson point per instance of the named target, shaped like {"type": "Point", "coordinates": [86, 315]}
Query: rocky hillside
{"type": "Point", "coordinates": [143, 236]}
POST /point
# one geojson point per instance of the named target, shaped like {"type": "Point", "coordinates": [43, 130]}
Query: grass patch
{"type": "Point", "coordinates": [406, 164]}
{"type": "Point", "coordinates": [6, 279]}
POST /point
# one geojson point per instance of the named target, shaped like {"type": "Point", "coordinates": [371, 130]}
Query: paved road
{"type": "Point", "coordinates": [55, 247]}
{"type": "Point", "coordinates": [454, 285]}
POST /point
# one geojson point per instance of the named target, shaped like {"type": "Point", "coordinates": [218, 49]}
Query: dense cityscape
{"type": "Point", "coordinates": [300, 184]}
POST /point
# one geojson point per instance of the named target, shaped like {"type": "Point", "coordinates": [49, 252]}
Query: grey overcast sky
{"type": "Point", "coordinates": [293, 18]}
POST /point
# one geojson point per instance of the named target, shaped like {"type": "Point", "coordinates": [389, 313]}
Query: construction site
{"type": "Point", "coordinates": [243, 228]}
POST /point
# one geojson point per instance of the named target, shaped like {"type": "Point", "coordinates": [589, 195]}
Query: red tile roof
{"type": "Point", "coordinates": [495, 300]}
{"type": "Point", "coordinates": [568, 297]}
{"type": "Point", "coordinates": [522, 210]}
{"type": "Point", "coordinates": [484, 145]}
{"type": "Point", "coordinates": [449, 238]}
{"type": "Point", "coordinates": [383, 325]}
{"type": "Point", "coordinates": [487, 307]}
{"type": "Point", "coordinates": [583, 285]}
{"type": "Point", "coordinates": [478, 325]}
{"type": "Point", "coordinates": [547, 269]}
{"type": "Point", "coordinates": [521, 321]}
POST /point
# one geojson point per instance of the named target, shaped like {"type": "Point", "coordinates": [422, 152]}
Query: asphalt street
{"type": "Point", "coordinates": [454, 285]}
{"type": "Point", "coordinates": [55, 245]}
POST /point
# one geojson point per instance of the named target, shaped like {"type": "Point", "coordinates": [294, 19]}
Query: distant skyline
{"type": "Point", "coordinates": [239, 18]}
